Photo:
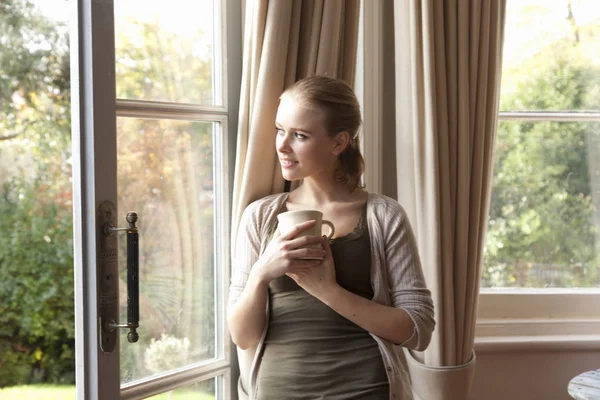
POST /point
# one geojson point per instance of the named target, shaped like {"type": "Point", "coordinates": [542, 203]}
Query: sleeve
{"type": "Point", "coordinates": [246, 254]}
{"type": "Point", "coordinates": [247, 250]}
{"type": "Point", "coordinates": [407, 287]}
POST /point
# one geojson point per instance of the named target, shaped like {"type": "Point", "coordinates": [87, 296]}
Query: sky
{"type": "Point", "coordinates": [183, 17]}
{"type": "Point", "coordinates": [531, 24]}
{"type": "Point", "coordinates": [523, 32]}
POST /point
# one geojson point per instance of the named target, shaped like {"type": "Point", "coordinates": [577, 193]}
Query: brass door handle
{"type": "Point", "coordinates": [109, 309]}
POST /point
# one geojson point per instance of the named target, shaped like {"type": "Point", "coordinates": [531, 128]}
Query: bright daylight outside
{"type": "Point", "coordinates": [544, 220]}
{"type": "Point", "coordinates": [544, 217]}
{"type": "Point", "coordinates": [165, 173]}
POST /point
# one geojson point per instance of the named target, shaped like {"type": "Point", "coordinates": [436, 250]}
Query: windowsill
{"type": "Point", "coordinates": [537, 334]}
{"type": "Point", "coordinates": [538, 343]}
{"type": "Point", "coordinates": [538, 320]}
{"type": "Point", "coordinates": [527, 304]}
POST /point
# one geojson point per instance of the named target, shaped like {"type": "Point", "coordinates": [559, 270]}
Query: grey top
{"type": "Point", "coordinates": [310, 351]}
{"type": "Point", "coordinates": [396, 278]}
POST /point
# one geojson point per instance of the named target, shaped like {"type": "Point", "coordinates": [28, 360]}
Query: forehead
{"type": "Point", "coordinates": [293, 113]}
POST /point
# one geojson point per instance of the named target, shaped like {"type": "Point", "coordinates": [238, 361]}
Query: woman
{"type": "Point", "coordinates": [326, 328]}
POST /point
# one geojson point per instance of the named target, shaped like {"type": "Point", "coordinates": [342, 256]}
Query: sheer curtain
{"type": "Point", "coordinates": [284, 41]}
{"type": "Point", "coordinates": [448, 66]}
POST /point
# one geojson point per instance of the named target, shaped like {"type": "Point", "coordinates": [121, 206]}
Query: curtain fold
{"type": "Point", "coordinates": [448, 66]}
{"type": "Point", "coordinates": [284, 41]}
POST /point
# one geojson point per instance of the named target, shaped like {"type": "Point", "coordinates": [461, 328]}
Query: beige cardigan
{"type": "Point", "coordinates": [396, 277]}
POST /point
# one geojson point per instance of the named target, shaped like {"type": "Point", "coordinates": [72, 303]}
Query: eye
{"type": "Point", "coordinates": [279, 131]}
{"type": "Point", "coordinates": [300, 136]}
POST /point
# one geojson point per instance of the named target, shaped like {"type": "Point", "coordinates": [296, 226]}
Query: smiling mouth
{"type": "Point", "coordinates": [287, 163]}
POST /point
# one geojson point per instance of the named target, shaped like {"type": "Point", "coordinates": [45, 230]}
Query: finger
{"type": "Point", "coordinates": [304, 241]}
{"type": "Point", "coordinates": [302, 272]}
{"type": "Point", "coordinates": [307, 252]}
{"type": "Point", "coordinates": [305, 265]}
{"type": "Point", "coordinates": [273, 240]}
{"type": "Point", "coordinates": [292, 233]}
{"type": "Point", "coordinates": [303, 268]}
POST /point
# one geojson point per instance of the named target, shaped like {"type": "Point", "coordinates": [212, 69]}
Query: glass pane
{"type": "Point", "coordinates": [37, 335]}
{"type": "Point", "coordinates": [165, 174]}
{"type": "Point", "coordinates": [551, 56]}
{"type": "Point", "coordinates": [544, 223]}
{"type": "Point", "coordinates": [205, 390]}
{"type": "Point", "coordinates": [166, 56]}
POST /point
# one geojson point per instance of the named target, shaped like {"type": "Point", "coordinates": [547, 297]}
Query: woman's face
{"type": "Point", "coordinates": [303, 145]}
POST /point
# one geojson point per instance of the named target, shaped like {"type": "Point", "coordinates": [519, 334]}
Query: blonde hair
{"type": "Point", "coordinates": [336, 99]}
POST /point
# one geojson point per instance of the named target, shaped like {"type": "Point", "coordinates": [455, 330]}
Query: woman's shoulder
{"type": "Point", "coordinates": [385, 206]}
{"type": "Point", "coordinates": [269, 201]}
{"type": "Point", "coordinates": [387, 214]}
{"type": "Point", "coordinates": [265, 207]}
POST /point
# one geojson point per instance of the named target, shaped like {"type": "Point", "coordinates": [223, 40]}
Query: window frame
{"type": "Point", "coordinates": [560, 319]}
{"type": "Point", "coordinates": [228, 63]}
{"type": "Point", "coordinates": [368, 82]}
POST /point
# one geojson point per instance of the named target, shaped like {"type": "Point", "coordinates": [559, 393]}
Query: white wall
{"type": "Point", "coordinates": [537, 375]}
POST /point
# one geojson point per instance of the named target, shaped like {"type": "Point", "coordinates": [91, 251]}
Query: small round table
{"type": "Point", "coordinates": [585, 386]}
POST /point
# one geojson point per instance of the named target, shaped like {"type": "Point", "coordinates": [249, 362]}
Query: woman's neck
{"type": "Point", "coordinates": [322, 193]}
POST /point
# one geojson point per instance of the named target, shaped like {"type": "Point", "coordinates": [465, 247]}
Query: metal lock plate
{"type": "Point", "coordinates": [108, 270]}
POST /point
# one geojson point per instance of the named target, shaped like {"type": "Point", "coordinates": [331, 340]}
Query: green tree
{"type": "Point", "coordinates": [36, 273]}
{"type": "Point", "coordinates": [163, 165]}
{"type": "Point", "coordinates": [543, 221]}
{"type": "Point", "coordinates": [174, 195]}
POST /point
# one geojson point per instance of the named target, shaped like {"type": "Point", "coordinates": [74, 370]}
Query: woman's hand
{"type": "Point", "coordinates": [320, 279]}
{"type": "Point", "coordinates": [286, 253]}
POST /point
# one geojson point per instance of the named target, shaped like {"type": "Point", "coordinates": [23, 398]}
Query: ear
{"type": "Point", "coordinates": [340, 142]}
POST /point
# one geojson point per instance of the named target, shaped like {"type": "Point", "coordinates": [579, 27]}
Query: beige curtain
{"type": "Point", "coordinates": [284, 41]}
{"type": "Point", "coordinates": [448, 66]}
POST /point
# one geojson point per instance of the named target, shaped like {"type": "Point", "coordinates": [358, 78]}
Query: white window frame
{"type": "Point", "coordinates": [227, 62]}
{"type": "Point", "coordinates": [561, 319]}
{"type": "Point", "coordinates": [369, 80]}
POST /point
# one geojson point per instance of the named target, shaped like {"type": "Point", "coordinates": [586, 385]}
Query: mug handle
{"type": "Point", "coordinates": [330, 225]}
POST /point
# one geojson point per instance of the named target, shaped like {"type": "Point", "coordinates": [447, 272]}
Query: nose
{"type": "Point", "coordinates": [282, 143]}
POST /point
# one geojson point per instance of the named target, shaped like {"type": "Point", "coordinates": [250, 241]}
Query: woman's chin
{"type": "Point", "coordinates": [288, 176]}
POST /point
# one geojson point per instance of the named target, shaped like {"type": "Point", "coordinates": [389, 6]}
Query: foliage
{"type": "Point", "coordinates": [543, 220]}
{"type": "Point", "coordinates": [36, 286]}
{"type": "Point", "coordinates": [173, 195]}
{"type": "Point", "coordinates": [175, 158]}
{"type": "Point", "coordinates": [34, 76]}
{"type": "Point", "coordinates": [155, 64]}
{"type": "Point", "coordinates": [36, 257]}
{"type": "Point", "coordinates": [166, 353]}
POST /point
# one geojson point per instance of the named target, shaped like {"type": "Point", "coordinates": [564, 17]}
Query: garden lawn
{"type": "Point", "coordinates": [41, 392]}
{"type": "Point", "coordinates": [58, 392]}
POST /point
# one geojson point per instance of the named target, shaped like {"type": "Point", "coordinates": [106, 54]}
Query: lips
{"type": "Point", "coordinates": [285, 163]}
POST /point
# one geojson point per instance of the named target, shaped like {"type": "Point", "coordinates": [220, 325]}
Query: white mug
{"type": "Point", "coordinates": [287, 220]}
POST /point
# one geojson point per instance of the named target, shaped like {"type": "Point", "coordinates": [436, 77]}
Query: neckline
{"type": "Point", "coordinates": [356, 232]}
{"type": "Point", "coordinates": [287, 195]}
